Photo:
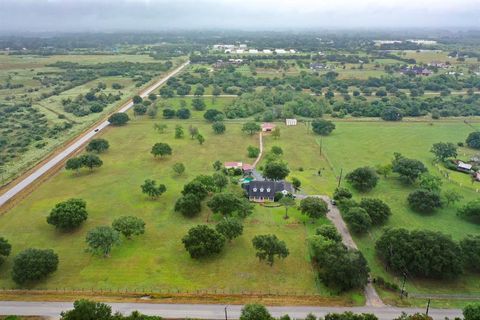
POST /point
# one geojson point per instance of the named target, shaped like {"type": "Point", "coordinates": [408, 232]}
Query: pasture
{"type": "Point", "coordinates": [158, 259]}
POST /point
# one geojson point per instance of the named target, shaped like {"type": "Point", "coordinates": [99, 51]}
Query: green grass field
{"type": "Point", "coordinates": [158, 259]}
{"type": "Point", "coordinates": [22, 69]}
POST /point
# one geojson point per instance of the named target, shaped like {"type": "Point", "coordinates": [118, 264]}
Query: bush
{"type": "Point", "coordinates": [473, 140]}
{"type": "Point", "coordinates": [202, 241]}
{"type": "Point", "coordinates": [255, 312]}
{"type": "Point", "coordinates": [322, 127]}
{"type": "Point", "coordinates": [189, 205]}
{"type": "Point", "coordinates": [118, 119]}
{"type": "Point", "coordinates": [420, 253]}
{"type": "Point", "coordinates": [363, 179]}
{"type": "Point", "coordinates": [358, 220]}
{"type": "Point", "coordinates": [69, 214]}
{"type": "Point", "coordinates": [342, 193]}
{"type": "Point", "coordinates": [471, 211]}
{"type": "Point", "coordinates": [329, 232]}
{"type": "Point", "coordinates": [378, 210]}
{"type": "Point", "coordinates": [34, 264]}
{"type": "Point", "coordinates": [424, 201]}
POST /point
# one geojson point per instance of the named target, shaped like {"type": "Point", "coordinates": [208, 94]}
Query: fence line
{"type": "Point", "coordinates": [445, 175]}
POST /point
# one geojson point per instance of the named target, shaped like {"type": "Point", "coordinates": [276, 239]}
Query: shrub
{"type": "Point", "coordinates": [471, 211]}
{"type": "Point", "coordinates": [363, 179]}
{"type": "Point", "coordinates": [68, 214]}
{"type": "Point", "coordinates": [118, 119]}
{"type": "Point", "coordinates": [424, 201]}
{"type": "Point", "coordinates": [420, 253]}
{"type": "Point", "coordinates": [378, 210]}
{"type": "Point", "coordinates": [34, 264]}
{"type": "Point", "coordinates": [342, 193]}
{"type": "Point", "coordinates": [358, 220]}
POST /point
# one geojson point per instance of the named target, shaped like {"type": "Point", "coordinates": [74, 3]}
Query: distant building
{"type": "Point", "coordinates": [261, 191]}
{"type": "Point", "coordinates": [438, 64]}
{"type": "Point", "coordinates": [291, 122]}
{"type": "Point", "coordinates": [253, 51]}
{"type": "Point", "coordinates": [267, 127]}
{"type": "Point", "coordinates": [416, 70]}
{"type": "Point", "coordinates": [318, 66]}
{"type": "Point", "coordinates": [292, 51]}
{"type": "Point", "coordinates": [267, 51]}
{"type": "Point", "coordinates": [280, 51]}
{"type": "Point", "coordinates": [464, 167]}
{"type": "Point", "coordinates": [233, 165]}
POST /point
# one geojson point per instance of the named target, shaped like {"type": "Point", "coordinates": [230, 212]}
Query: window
{"type": "Point", "coordinates": [254, 189]}
{"type": "Point", "coordinates": [261, 189]}
{"type": "Point", "coordinates": [268, 189]}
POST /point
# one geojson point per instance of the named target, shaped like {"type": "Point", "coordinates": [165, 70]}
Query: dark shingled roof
{"type": "Point", "coordinates": [266, 189]}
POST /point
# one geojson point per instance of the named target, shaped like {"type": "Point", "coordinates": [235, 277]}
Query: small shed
{"type": "Point", "coordinates": [291, 122]}
{"type": "Point", "coordinates": [267, 127]}
{"type": "Point", "coordinates": [465, 167]}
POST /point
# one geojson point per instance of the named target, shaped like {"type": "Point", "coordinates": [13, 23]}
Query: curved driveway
{"type": "Point", "coordinates": [16, 189]}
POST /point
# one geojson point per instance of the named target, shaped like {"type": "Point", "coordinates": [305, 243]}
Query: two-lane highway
{"type": "Point", "coordinates": [61, 156]}
{"type": "Point", "coordinates": [214, 311]}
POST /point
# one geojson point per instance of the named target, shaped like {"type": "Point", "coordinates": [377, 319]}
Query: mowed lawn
{"type": "Point", "coordinates": [355, 144]}
{"type": "Point", "coordinates": [158, 258]}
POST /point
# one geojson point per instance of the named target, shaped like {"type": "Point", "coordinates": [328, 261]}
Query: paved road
{"type": "Point", "coordinates": [213, 312]}
{"type": "Point", "coordinates": [12, 192]}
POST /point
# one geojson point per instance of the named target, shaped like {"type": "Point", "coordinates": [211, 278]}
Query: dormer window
{"type": "Point", "coordinates": [254, 189]}
{"type": "Point", "coordinates": [261, 189]}
{"type": "Point", "coordinates": [268, 189]}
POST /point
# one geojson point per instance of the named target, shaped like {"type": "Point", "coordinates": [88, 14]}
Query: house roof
{"type": "Point", "coordinates": [268, 125]}
{"type": "Point", "coordinates": [464, 165]}
{"type": "Point", "coordinates": [266, 189]}
{"type": "Point", "coordinates": [232, 164]}
{"type": "Point", "coordinates": [247, 166]}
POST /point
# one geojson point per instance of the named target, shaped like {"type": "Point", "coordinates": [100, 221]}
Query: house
{"type": "Point", "coordinates": [267, 127]}
{"type": "Point", "coordinates": [233, 165]}
{"type": "Point", "coordinates": [245, 167]}
{"type": "Point", "coordinates": [267, 51]}
{"type": "Point", "coordinates": [318, 66]}
{"type": "Point", "coordinates": [292, 51]}
{"type": "Point", "coordinates": [261, 191]}
{"type": "Point", "coordinates": [240, 51]}
{"type": "Point", "coordinates": [253, 51]}
{"type": "Point", "coordinates": [464, 167]}
{"type": "Point", "coordinates": [291, 122]}
{"type": "Point", "coordinates": [280, 51]}
{"type": "Point", "coordinates": [438, 64]}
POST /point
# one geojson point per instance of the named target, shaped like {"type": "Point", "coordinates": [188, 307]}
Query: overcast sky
{"type": "Point", "coordinates": [155, 15]}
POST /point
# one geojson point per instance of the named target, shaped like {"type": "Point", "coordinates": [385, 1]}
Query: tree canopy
{"type": "Point", "coordinates": [118, 119]}
{"type": "Point", "coordinates": [420, 253]}
{"type": "Point", "coordinates": [102, 239]}
{"type": "Point", "coordinates": [203, 241]}
{"type": "Point", "coordinates": [129, 226]}
{"type": "Point", "coordinates": [313, 207]}
{"type": "Point", "coordinates": [33, 264]}
{"type": "Point", "coordinates": [322, 127]}
{"type": "Point", "coordinates": [161, 149]}
{"type": "Point", "coordinates": [268, 246]}
{"type": "Point", "coordinates": [98, 145]}
{"type": "Point", "coordinates": [69, 214]}
{"type": "Point", "coordinates": [363, 179]}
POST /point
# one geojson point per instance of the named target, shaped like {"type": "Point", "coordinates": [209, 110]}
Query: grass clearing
{"type": "Point", "coordinates": [158, 259]}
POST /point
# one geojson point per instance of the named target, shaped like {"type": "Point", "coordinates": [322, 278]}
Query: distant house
{"type": "Point", "coordinates": [253, 51]}
{"type": "Point", "coordinates": [416, 70]}
{"type": "Point", "coordinates": [280, 51]}
{"type": "Point", "coordinates": [464, 167]}
{"type": "Point", "coordinates": [438, 64]}
{"type": "Point", "coordinates": [267, 127]}
{"type": "Point", "coordinates": [318, 66]}
{"type": "Point", "coordinates": [261, 191]}
{"type": "Point", "coordinates": [267, 51]}
{"type": "Point", "coordinates": [292, 51]}
{"type": "Point", "coordinates": [233, 165]}
{"type": "Point", "coordinates": [245, 167]}
{"type": "Point", "coordinates": [291, 122]}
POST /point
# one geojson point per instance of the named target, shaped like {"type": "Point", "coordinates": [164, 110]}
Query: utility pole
{"type": "Point", "coordinates": [428, 307]}
{"type": "Point", "coordinates": [403, 285]}
{"type": "Point", "coordinates": [226, 315]}
{"type": "Point", "coordinates": [340, 177]}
